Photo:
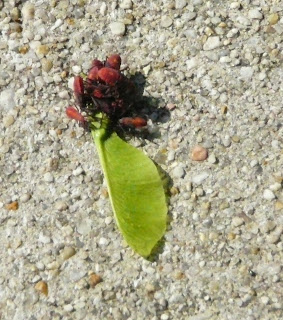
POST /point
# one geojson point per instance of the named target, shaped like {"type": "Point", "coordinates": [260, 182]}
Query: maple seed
{"type": "Point", "coordinates": [136, 122]}
{"type": "Point", "coordinates": [73, 113]}
{"type": "Point", "coordinates": [114, 61]}
{"type": "Point", "coordinates": [109, 76]}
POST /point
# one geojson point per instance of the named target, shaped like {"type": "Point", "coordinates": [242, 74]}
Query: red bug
{"type": "Point", "coordinates": [73, 113]}
{"type": "Point", "coordinates": [114, 61]}
{"type": "Point", "coordinates": [78, 86]}
{"type": "Point", "coordinates": [109, 76]}
{"type": "Point", "coordinates": [93, 74]}
{"type": "Point", "coordinates": [97, 93]}
{"type": "Point", "coordinates": [97, 63]}
{"type": "Point", "coordinates": [136, 122]}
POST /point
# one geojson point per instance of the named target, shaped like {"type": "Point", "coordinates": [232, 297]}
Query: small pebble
{"type": "Point", "coordinates": [199, 192]}
{"type": "Point", "coordinates": [77, 69]}
{"type": "Point", "coordinates": [64, 94]}
{"type": "Point", "coordinates": [236, 139]}
{"type": "Point", "coordinates": [94, 279]}
{"type": "Point", "coordinates": [212, 43]}
{"type": "Point", "coordinates": [199, 178]}
{"type": "Point", "coordinates": [275, 187]}
{"type": "Point", "coordinates": [237, 221]}
{"type": "Point", "coordinates": [171, 155]}
{"type": "Point", "coordinates": [108, 220]}
{"type": "Point", "coordinates": [57, 24]}
{"type": "Point", "coordinates": [117, 28]}
{"type": "Point", "coordinates": [126, 4]}
{"type": "Point", "coordinates": [231, 236]}
{"type": "Point", "coordinates": [178, 172]}
{"type": "Point", "coordinates": [46, 65]}
{"type": "Point", "coordinates": [273, 18]}
{"type": "Point", "coordinates": [7, 99]}
{"type": "Point", "coordinates": [13, 206]}
{"type": "Point", "coordinates": [42, 49]}
{"type": "Point", "coordinates": [275, 236]}
{"type": "Point", "coordinates": [67, 253]}
{"type": "Point", "coordinates": [44, 238]}
{"type": "Point", "coordinates": [27, 12]}
{"type": "Point", "coordinates": [8, 121]}
{"type": "Point", "coordinates": [42, 287]}
{"type": "Point", "coordinates": [199, 153]}
{"type": "Point", "coordinates": [68, 308]}
{"type": "Point", "coordinates": [226, 142]}
{"type": "Point", "coordinates": [253, 163]}
{"type": "Point", "coordinates": [255, 14]}
{"type": "Point", "coordinates": [180, 4]}
{"type": "Point", "coordinates": [150, 288]}
{"type": "Point", "coordinates": [190, 16]}
{"type": "Point", "coordinates": [166, 22]}
{"type": "Point", "coordinates": [61, 205]}
{"type": "Point", "coordinates": [67, 230]}
{"type": "Point", "coordinates": [278, 205]}
{"type": "Point", "coordinates": [25, 197]}
{"type": "Point", "coordinates": [174, 191]}
{"type": "Point", "coordinates": [268, 226]}
{"type": "Point", "coordinates": [246, 73]}
{"type": "Point", "coordinates": [48, 177]}
{"type": "Point", "coordinates": [264, 300]}
{"type": "Point", "coordinates": [268, 194]}
{"type": "Point", "coordinates": [170, 106]}
{"type": "Point", "coordinates": [103, 241]}
{"type": "Point", "coordinates": [84, 226]}
{"type": "Point", "coordinates": [15, 14]}
{"type": "Point", "coordinates": [212, 159]}
{"type": "Point", "coordinates": [103, 8]}
{"type": "Point", "coordinates": [235, 5]}
{"type": "Point", "coordinates": [57, 78]}
{"type": "Point", "coordinates": [146, 70]}
{"type": "Point", "coordinates": [78, 171]}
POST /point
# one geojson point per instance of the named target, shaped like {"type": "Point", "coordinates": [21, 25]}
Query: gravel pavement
{"type": "Point", "coordinates": [216, 68]}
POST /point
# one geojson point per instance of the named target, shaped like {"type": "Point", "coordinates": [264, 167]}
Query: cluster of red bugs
{"type": "Point", "coordinates": [105, 90]}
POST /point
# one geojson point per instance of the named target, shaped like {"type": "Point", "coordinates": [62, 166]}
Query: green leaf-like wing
{"type": "Point", "coordinates": [135, 189]}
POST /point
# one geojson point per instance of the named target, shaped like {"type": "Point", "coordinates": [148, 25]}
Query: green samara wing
{"type": "Point", "coordinates": [135, 189]}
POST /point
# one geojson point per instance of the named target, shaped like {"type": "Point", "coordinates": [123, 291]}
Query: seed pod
{"type": "Point", "coordinates": [109, 76]}
{"type": "Point", "coordinates": [136, 122]}
{"type": "Point", "coordinates": [114, 61]}
{"type": "Point", "coordinates": [73, 113]}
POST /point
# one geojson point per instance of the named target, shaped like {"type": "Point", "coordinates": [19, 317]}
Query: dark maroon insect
{"type": "Point", "coordinates": [97, 63]}
{"type": "Point", "coordinates": [136, 122]}
{"type": "Point", "coordinates": [114, 61]}
{"type": "Point", "coordinates": [106, 90]}
{"type": "Point", "coordinates": [78, 89]}
{"type": "Point", "coordinates": [73, 113]}
{"type": "Point", "coordinates": [93, 74]}
{"type": "Point", "coordinates": [109, 76]}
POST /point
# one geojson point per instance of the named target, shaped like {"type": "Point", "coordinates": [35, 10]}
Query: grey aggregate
{"type": "Point", "coordinates": [216, 67]}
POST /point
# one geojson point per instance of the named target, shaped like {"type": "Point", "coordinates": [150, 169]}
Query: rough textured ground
{"type": "Point", "coordinates": [217, 65]}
